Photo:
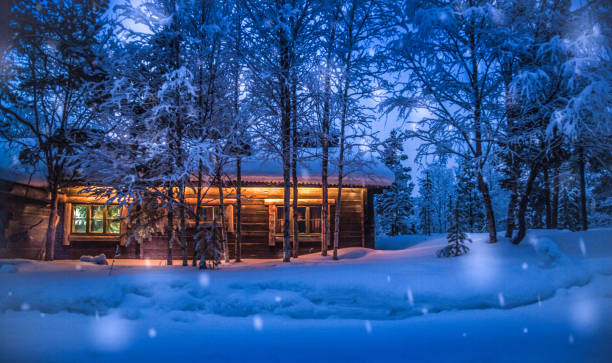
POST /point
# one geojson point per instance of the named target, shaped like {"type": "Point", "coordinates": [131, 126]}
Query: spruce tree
{"type": "Point", "coordinates": [469, 198]}
{"type": "Point", "coordinates": [426, 201]}
{"type": "Point", "coordinates": [456, 234]}
{"type": "Point", "coordinates": [569, 209]}
{"type": "Point", "coordinates": [394, 206]}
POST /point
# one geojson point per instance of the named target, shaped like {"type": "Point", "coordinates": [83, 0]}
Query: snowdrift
{"type": "Point", "coordinates": [364, 284]}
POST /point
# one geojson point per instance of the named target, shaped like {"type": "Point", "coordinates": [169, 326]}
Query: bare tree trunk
{"type": "Point", "coordinates": [325, 141]}
{"type": "Point", "coordinates": [555, 199]}
{"type": "Point", "coordinates": [182, 221]}
{"type": "Point", "coordinates": [511, 208]}
{"type": "Point", "coordinates": [547, 199]}
{"type": "Point", "coordinates": [197, 213]}
{"type": "Point", "coordinates": [285, 103]}
{"type": "Point", "coordinates": [294, 153]}
{"type": "Point", "coordinates": [583, 205]}
{"type": "Point", "coordinates": [238, 209]}
{"type": "Point", "coordinates": [482, 185]}
{"type": "Point", "coordinates": [488, 205]}
{"type": "Point", "coordinates": [522, 225]}
{"type": "Point", "coordinates": [52, 225]}
{"type": "Point", "coordinates": [170, 227]}
{"type": "Point", "coordinates": [226, 257]}
{"type": "Point", "coordinates": [325, 197]}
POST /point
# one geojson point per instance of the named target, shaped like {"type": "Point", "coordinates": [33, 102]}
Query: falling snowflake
{"type": "Point", "coordinates": [582, 246]}
{"type": "Point", "coordinates": [25, 306]}
{"type": "Point", "coordinates": [368, 326]}
{"type": "Point", "coordinates": [525, 330]}
{"type": "Point", "coordinates": [277, 299]}
{"type": "Point", "coordinates": [257, 323]}
{"type": "Point", "coordinates": [524, 266]}
{"type": "Point", "coordinates": [204, 279]}
{"type": "Point", "coordinates": [152, 333]}
{"type": "Point", "coordinates": [500, 298]}
{"type": "Point", "coordinates": [410, 297]}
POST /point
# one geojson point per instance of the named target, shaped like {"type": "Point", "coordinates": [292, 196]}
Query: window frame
{"type": "Point", "coordinates": [88, 219]}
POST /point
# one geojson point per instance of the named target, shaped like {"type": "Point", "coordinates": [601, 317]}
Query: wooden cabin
{"type": "Point", "coordinates": [89, 226]}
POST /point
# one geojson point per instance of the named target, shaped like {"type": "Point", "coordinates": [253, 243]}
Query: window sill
{"type": "Point", "coordinates": [94, 237]}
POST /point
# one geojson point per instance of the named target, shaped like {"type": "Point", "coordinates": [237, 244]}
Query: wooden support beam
{"type": "Point", "coordinates": [301, 201]}
{"type": "Point", "coordinates": [271, 224]}
{"type": "Point", "coordinates": [67, 223]}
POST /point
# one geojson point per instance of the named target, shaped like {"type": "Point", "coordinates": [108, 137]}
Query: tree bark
{"type": "Point", "coordinates": [294, 153]}
{"type": "Point", "coordinates": [555, 199]}
{"type": "Point", "coordinates": [488, 205]}
{"type": "Point", "coordinates": [226, 257]}
{"type": "Point", "coordinates": [547, 200]}
{"type": "Point", "coordinates": [511, 210]}
{"type": "Point", "coordinates": [325, 140]}
{"type": "Point", "coordinates": [482, 185]}
{"type": "Point", "coordinates": [197, 213]}
{"type": "Point", "coordinates": [182, 222]}
{"type": "Point", "coordinates": [522, 225]}
{"type": "Point", "coordinates": [285, 105]}
{"type": "Point", "coordinates": [583, 204]}
{"type": "Point", "coordinates": [52, 226]}
{"type": "Point", "coordinates": [238, 209]}
{"type": "Point", "coordinates": [170, 227]}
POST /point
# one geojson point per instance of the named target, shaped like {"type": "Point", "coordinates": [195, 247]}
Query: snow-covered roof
{"type": "Point", "coordinates": [368, 171]}
{"type": "Point", "coordinates": [365, 173]}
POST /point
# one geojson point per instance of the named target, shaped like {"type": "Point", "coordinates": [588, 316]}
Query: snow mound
{"type": "Point", "coordinates": [8, 268]}
{"type": "Point", "coordinates": [98, 260]}
{"type": "Point", "coordinates": [364, 284]}
{"type": "Point", "coordinates": [548, 251]}
{"type": "Point", "coordinates": [354, 253]}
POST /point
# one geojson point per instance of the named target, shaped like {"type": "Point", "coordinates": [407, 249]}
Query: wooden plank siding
{"type": "Point", "coordinates": [356, 226]}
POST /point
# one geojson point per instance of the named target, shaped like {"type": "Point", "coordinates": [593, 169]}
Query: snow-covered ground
{"type": "Point", "coordinates": [548, 299]}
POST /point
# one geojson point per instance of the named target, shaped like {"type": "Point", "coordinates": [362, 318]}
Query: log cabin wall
{"type": "Point", "coordinates": [24, 215]}
{"type": "Point", "coordinates": [257, 241]}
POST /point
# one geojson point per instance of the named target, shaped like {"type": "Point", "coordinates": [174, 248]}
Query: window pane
{"type": "Point", "coordinates": [113, 216]}
{"type": "Point", "coordinates": [206, 214]}
{"type": "Point", "coordinates": [79, 219]}
{"type": "Point", "coordinates": [96, 224]}
{"type": "Point", "coordinates": [112, 211]}
{"type": "Point", "coordinates": [114, 227]}
{"type": "Point", "coordinates": [315, 219]}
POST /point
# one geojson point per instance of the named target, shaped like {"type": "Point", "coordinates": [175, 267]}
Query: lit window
{"type": "Point", "coordinates": [96, 219]}
{"type": "Point", "coordinates": [308, 219]}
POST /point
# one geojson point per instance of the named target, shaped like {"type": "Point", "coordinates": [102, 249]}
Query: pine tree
{"type": "Point", "coordinates": [469, 198]}
{"type": "Point", "coordinates": [456, 234]}
{"type": "Point", "coordinates": [569, 209]}
{"type": "Point", "coordinates": [426, 201]}
{"type": "Point", "coordinates": [394, 206]}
